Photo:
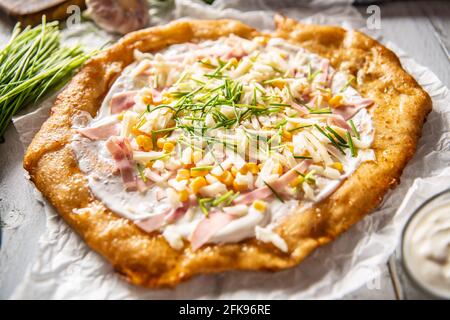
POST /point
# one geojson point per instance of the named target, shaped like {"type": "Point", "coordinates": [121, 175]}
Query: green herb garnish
{"type": "Point", "coordinates": [274, 192]}
{"type": "Point", "coordinates": [350, 143]}
{"type": "Point", "coordinates": [355, 132]}
{"type": "Point", "coordinates": [32, 64]}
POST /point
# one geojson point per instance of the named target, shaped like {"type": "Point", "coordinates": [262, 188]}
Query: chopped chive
{"type": "Point", "coordinates": [309, 176]}
{"type": "Point", "coordinates": [202, 168]}
{"type": "Point", "coordinates": [333, 142]}
{"type": "Point", "coordinates": [276, 69]}
{"type": "Point", "coordinates": [300, 127]}
{"type": "Point", "coordinates": [302, 157]}
{"type": "Point", "coordinates": [201, 204]}
{"type": "Point", "coordinates": [355, 132]}
{"type": "Point", "coordinates": [254, 101]}
{"type": "Point", "coordinates": [210, 65]}
{"type": "Point", "coordinates": [222, 198]}
{"type": "Point", "coordinates": [141, 172]}
{"type": "Point", "coordinates": [164, 130]}
{"type": "Point", "coordinates": [348, 83]}
{"type": "Point", "coordinates": [336, 135]}
{"type": "Point", "coordinates": [231, 199]}
{"type": "Point", "coordinates": [313, 76]}
{"type": "Point", "coordinates": [350, 143]}
{"type": "Point", "coordinates": [279, 104]}
{"type": "Point", "coordinates": [280, 124]}
{"type": "Point", "coordinates": [274, 192]}
{"type": "Point", "coordinates": [299, 173]}
{"type": "Point", "coordinates": [320, 111]}
{"type": "Point", "coordinates": [197, 80]}
{"type": "Point", "coordinates": [272, 80]}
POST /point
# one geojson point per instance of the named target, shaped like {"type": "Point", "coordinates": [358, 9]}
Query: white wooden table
{"type": "Point", "coordinates": [420, 28]}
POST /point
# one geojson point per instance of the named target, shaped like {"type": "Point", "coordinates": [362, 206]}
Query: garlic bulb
{"type": "Point", "coordinates": [119, 16]}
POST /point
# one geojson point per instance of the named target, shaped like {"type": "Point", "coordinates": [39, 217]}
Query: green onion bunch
{"type": "Point", "coordinates": [32, 64]}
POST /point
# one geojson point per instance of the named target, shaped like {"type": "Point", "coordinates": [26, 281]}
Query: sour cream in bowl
{"type": "Point", "coordinates": [426, 246]}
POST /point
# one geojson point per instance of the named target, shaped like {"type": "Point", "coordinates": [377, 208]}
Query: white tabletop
{"type": "Point", "coordinates": [420, 28]}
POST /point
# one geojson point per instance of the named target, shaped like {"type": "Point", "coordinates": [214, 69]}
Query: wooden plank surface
{"type": "Point", "coordinates": [420, 28]}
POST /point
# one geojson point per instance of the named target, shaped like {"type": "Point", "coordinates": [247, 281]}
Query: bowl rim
{"type": "Point", "coordinates": [408, 272]}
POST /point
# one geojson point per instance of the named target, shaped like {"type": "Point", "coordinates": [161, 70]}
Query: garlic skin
{"type": "Point", "coordinates": [119, 16]}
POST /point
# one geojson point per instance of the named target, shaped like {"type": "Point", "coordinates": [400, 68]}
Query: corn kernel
{"type": "Point", "coordinates": [197, 183]}
{"type": "Point", "coordinates": [286, 136]}
{"type": "Point", "coordinates": [148, 99]}
{"type": "Point", "coordinates": [183, 195]}
{"type": "Point", "coordinates": [326, 94]}
{"type": "Point", "coordinates": [207, 63]}
{"type": "Point", "coordinates": [291, 148]}
{"type": "Point", "coordinates": [120, 116]}
{"type": "Point", "coordinates": [278, 83]}
{"type": "Point", "coordinates": [338, 166]}
{"type": "Point", "coordinates": [168, 147]}
{"type": "Point", "coordinates": [144, 142]}
{"type": "Point", "coordinates": [197, 156]}
{"type": "Point", "coordinates": [259, 205]}
{"type": "Point", "coordinates": [233, 62]}
{"type": "Point", "coordinates": [239, 187]}
{"type": "Point", "coordinates": [135, 131]}
{"type": "Point", "coordinates": [160, 142]}
{"type": "Point", "coordinates": [244, 169]}
{"type": "Point", "coordinates": [260, 166]}
{"type": "Point", "coordinates": [278, 169]}
{"type": "Point", "coordinates": [234, 171]}
{"type": "Point", "coordinates": [189, 165]}
{"type": "Point", "coordinates": [335, 100]}
{"type": "Point", "coordinates": [252, 167]}
{"type": "Point", "coordinates": [183, 174]}
{"type": "Point", "coordinates": [226, 178]}
{"type": "Point", "coordinates": [298, 180]}
{"type": "Point", "coordinates": [262, 40]}
{"type": "Point", "coordinates": [199, 173]}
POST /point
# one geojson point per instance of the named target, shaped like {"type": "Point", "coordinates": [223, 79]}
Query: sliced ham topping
{"type": "Point", "coordinates": [350, 108]}
{"type": "Point", "coordinates": [312, 103]}
{"type": "Point", "coordinates": [152, 223]}
{"type": "Point", "coordinates": [323, 76]}
{"type": "Point", "coordinates": [296, 106]}
{"type": "Point", "coordinates": [121, 151]}
{"type": "Point", "coordinates": [257, 194]}
{"type": "Point", "coordinates": [157, 221]}
{"type": "Point", "coordinates": [102, 132]}
{"type": "Point", "coordinates": [175, 214]}
{"type": "Point", "coordinates": [338, 120]}
{"type": "Point", "coordinates": [278, 185]}
{"type": "Point", "coordinates": [208, 227]}
{"type": "Point", "coordinates": [143, 186]}
{"type": "Point", "coordinates": [122, 101]}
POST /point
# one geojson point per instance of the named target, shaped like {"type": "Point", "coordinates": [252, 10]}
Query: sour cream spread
{"type": "Point", "coordinates": [216, 142]}
{"type": "Point", "coordinates": [426, 246]}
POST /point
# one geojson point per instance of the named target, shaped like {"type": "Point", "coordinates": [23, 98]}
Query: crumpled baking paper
{"type": "Point", "coordinates": [66, 268]}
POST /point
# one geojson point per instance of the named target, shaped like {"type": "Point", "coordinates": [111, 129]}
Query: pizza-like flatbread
{"type": "Point", "coordinates": [146, 258]}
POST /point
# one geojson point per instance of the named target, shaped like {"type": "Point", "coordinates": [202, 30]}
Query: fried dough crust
{"type": "Point", "coordinates": [147, 259]}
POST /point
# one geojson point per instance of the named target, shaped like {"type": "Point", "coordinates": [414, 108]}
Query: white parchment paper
{"type": "Point", "coordinates": [66, 268]}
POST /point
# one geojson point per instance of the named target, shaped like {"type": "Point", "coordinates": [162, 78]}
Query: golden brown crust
{"type": "Point", "coordinates": [402, 106]}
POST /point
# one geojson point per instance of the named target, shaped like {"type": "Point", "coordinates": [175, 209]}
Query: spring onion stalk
{"type": "Point", "coordinates": [32, 64]}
